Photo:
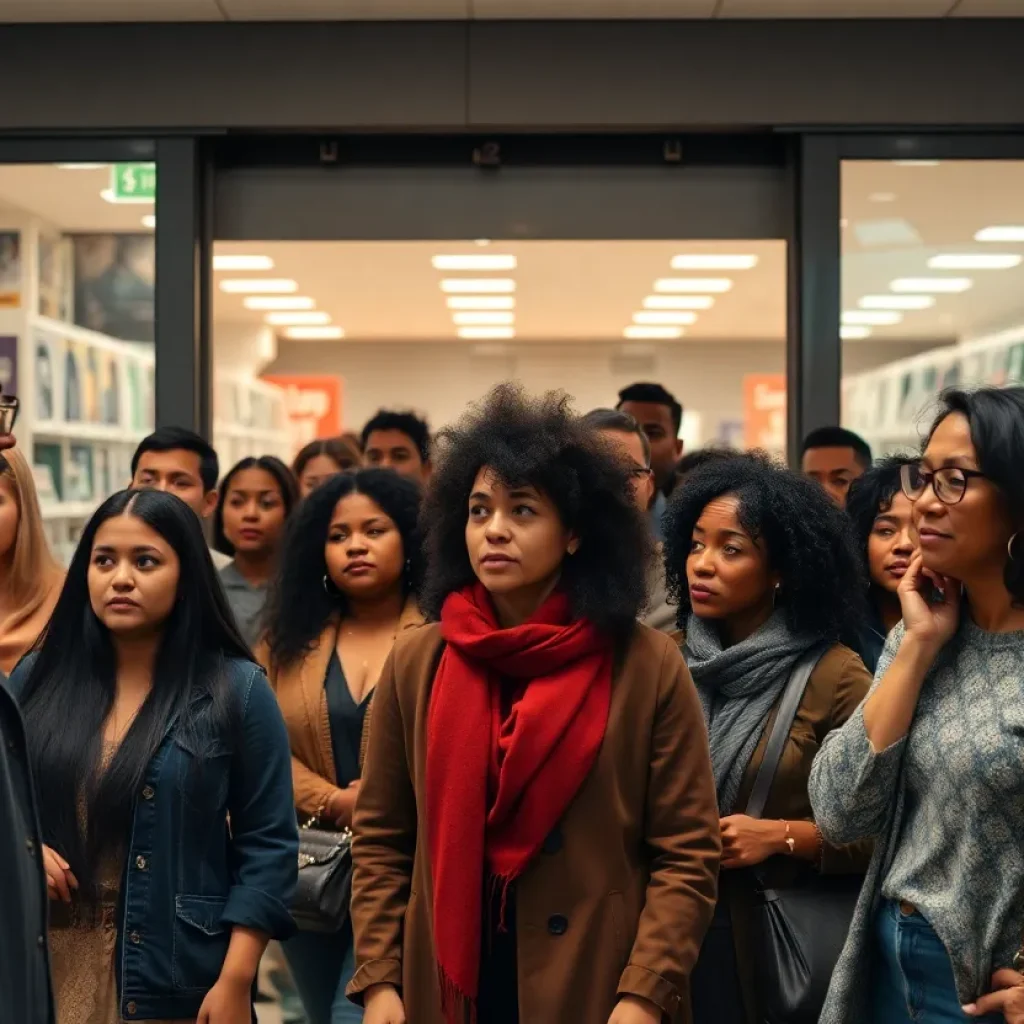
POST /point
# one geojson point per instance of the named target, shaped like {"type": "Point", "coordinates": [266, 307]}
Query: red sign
{"type": "Point", "coordinates": [313, 404]}
{"type": "Point", "coordinates": [764, 411]}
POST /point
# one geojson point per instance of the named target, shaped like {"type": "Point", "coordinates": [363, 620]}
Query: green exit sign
{"type": "Point", "coordinates": [133, 183]}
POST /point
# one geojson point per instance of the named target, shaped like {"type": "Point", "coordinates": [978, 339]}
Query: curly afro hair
{"type": "Point", "coordinates": [808, 540]}
{"type": "Point", "coordinates": [541, 442]}
{"type": "Point", "coordinates": [299, 606]}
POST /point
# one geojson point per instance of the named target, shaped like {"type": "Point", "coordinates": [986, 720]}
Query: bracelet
{"type": "Point", "coordinates": [789, 840]}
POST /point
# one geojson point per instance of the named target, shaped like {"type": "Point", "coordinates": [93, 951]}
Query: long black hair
{"type": "Point", "coordinates": [871, 495]}
{"type": "Point", "coordinates": [72, 682]}
{"type": "Point", "coordinates": [541, 442]}
{"type": "Point", "coordinates": [285, 484]}
{"type": "Point", "coordinates": [300, 605]}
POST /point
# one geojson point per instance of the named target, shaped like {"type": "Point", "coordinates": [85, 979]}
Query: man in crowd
{"type": "Point", "coordinates": [180, 462]}
{"type": "Point", "coordinates": [398, 441]}
{"type": "Point", "coordinates": [835, 457]}
{"type": "Point", "coordinates": [660, 417]}
{"type": "Point", "coordinates": [629, 441]}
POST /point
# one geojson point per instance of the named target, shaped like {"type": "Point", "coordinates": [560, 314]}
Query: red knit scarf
{"type": "Point", "coordinates": [497, 783]}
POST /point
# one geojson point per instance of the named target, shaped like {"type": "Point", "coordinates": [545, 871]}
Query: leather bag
{"type": "Point", "coordinates": [798, 931]}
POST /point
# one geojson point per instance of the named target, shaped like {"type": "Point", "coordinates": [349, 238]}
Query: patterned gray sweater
{"type": "Point", "coordinates": [946, 806]}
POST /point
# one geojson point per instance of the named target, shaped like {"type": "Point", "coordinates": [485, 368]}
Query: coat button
{"type": "Point", "coordinates": [558, 925]}
{"type": "Point", "coordinates": [41, 941]}
{"type": "Point", "coordinates": [140, 863]}
{"type": "Point", "coordinates": [30, 845]}
{"type": "Point", "coordinates": [135, 938]}
{"type": "Point", "coordinates": [131, 1008]}
{"type": "Point", "coordinates": [147, 792]}
{"type": "Point", "coordinates": [554, 842]}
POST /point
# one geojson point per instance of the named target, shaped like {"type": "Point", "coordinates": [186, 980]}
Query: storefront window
{"type": "Point", "coordinates": [77, 275]}
{"type": "Point", "coordinates": [932, 279]}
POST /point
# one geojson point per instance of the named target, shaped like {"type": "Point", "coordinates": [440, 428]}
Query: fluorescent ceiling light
{"type": "Point", "coordinates": [481, 302]}
{"type": "Point", "coordinates": [486, 333]}
{"type": "Point", "coordinates": [713, 261]}
{"type": "Point", "coordinates": [227, 262]}
{"type": "Point", "coordinates": [149, 221]}
{"type": "Point", "coordinates": [296, 319]}
{"type": "Point", "coordinates": [877, 317]}
{"type": "Point", "coordinates": [108, 196]}
{"type": "Point", "coordinates": [678, 302]}
{"type": "Point", "coordinates": [478, 285]}
{"type": "Point", "coordinates": [80, 167]}
{"type": "Point", "coordinates": [471, 319]}
{"type": "Point", "coordinates": [278, 302]}
{"type": "Point", "coordinates": [916, 163]}
{"type": "Point", "coordinates": [1001, 233]}
{"type": "Point", "coordinates": [882, 197]}
{"type": "Point", "coordinates": [975, 261]}
{"type": "Point", "coordinates": [692, 284]}
{"type": "Point", "coordinates": [897, 302]}
{"type": "Point", "coordinates": [851, 333]}
{"type": "Point", "coordinates": [943, 285]}
{"type": "Point", "coordinates": [314, 333]}
{"type": "Point", "coordinates": [257, 286]}
{"type": "Point", "coordinates": [475, 262]}
{"type": "Point", "coordinates": [655, 317]}
{"type": "Point", "coordinates": [637, 331]}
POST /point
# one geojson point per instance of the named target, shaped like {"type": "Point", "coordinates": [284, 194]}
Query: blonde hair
{"type": "Point", "coordinates": [33, 569]}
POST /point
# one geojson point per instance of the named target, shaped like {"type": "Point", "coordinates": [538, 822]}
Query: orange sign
{"type": "Point", "coordinates": [764, 411]}
{"type": "Point", "coordinates": [313, 404]}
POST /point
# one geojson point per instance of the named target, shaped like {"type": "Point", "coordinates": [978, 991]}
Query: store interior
{"type": "Point", "coordinates": [312, 337]}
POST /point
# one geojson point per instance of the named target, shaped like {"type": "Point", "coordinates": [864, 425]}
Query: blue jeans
{"type": "Point", "coordinates": [913, 978]}
{"type": "Point", "coordinates": [322, 965]}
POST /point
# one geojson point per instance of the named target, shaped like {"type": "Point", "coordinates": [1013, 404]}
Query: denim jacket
{"type": "Point", "coordinates": [188, 877]}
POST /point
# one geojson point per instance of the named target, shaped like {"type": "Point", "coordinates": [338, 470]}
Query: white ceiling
{"type": "Point", "coordinates": [382, 10]}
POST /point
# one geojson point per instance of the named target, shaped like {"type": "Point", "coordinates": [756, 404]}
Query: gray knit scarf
{"type": "Point", "coordinates": [738, 687]}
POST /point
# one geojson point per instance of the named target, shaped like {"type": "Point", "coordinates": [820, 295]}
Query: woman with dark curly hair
{"type": "Point", "coordinates": [346, 588]}
{"type": "Point", "coordinates": [884, 529]}
{"type": "Point", "coordinates": [932, 765]}
{"type": "Point", "coordinates": [767, 578]}
{"type": "Point", "coordinates": [536, 837]}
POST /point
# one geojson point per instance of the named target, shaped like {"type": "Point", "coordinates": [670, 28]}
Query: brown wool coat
{"type": "Point", "coordinates": [632, 867]}
{"type": "Point", "coordinates": [303, 701]}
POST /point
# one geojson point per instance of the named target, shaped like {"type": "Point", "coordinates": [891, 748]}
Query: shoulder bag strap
{"type": "Point", "coordinates": [792, 697]}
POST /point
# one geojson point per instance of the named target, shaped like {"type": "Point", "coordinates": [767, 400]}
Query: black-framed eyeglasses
{"type": "Point", "coordinates": [949, 483]}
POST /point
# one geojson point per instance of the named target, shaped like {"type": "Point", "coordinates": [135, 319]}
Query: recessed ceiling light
{"type": "Point", "coordinates": [297, 318]}
{"type": "Point", "coordinates": [637, 331]}
{"type": "Point", "coordinates": [314, 333]}
{"type": "Point", "coordinates": [108, 196]}
{"type": "Point", "coordinates": [478, 262]}
{"type": "Point", "coordinates": [678, 302]}
{"type": "Point", "coordinates": [278, 302]}
{"type": "Point", "coordinates": [974, 261]}
{"type": "Point", "coordinates": [482, 242]}
{"type": "Point", "coordinates": [656, 317]}
{"type": "Point", "coordinates": [481, 302]}
{"type": "Point", "coordinates": [851, 333]}
{"type": "Point", "coordinates": [228, 262]}
{"type": "Point", "coordinates": [692, 284]}
{"type": "Point", "coordinates": [478, 285]}
{"type": "Point", "coordinates": [876, 317]}
{"type": "Point", "coordinates": [713, 261]}
{"type": "Point", "coordinates": [471, 319]}
{"type": "Point", "coordinates": [149, 221]}
{"type": "Point", "coordinates": [916, 163]}
{"type": "Point", "coordinates": [486, 333]}
{"type": "Point", "coordinates": [897, 302]}
{"type": "Point", "coordinates": [882, 197]}
{"type": "Point", "coordinates": [1001, 233]}
{"type": "Point", "coordinates": [80, 167]}
{"type": "Point", "coordinates": [938, 285]}
{"type": "Point", "coordinates": [267, 286]}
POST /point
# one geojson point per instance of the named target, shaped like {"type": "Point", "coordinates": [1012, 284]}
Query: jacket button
{"type": "Point", "coordinates": [135, 938]}
{"type": "Point", "coordinates": [554, 842]}
{"type": "Point", "coordinates": [30, 846]}
{"type": "Point", "coordinates": [140, 863]}
{"type": "Point", "coordinates": [41, 941]}
{"type": "Point", "coordinates": [131, 1008]}
{"type": "Point", "coordinates": [147, 792]}
{"type": "Point", "coordinates": [558, 925]}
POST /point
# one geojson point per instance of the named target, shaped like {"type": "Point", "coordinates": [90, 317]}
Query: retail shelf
{"type": "Point", "coordinates": [67, 509]}
{"type": "Point", "coordinates": [105, 433]}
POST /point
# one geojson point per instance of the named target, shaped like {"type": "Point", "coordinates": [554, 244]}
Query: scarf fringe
{"type": "Point", "coordinates": [456, 1006]}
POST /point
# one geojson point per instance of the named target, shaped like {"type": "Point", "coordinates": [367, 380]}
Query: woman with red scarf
{"type": "Point", "coordinates": [536, 837]}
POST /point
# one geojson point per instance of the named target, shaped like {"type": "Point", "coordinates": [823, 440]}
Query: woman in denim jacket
{"type": "Point", "coordinates": [164, 777]}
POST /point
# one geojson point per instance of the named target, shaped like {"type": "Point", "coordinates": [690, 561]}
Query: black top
{"type": "Point", "coordinates": [498, 999]}
{"type": "Point", "coordinates": [24, 961]}
{"type": "Point", "coordinates": [346, 719]}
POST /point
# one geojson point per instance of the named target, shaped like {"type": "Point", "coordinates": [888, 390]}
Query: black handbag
{"type": "Point", "coordinates": [324, 887]}
{"type": "Point", "coordinates": [798, 931]}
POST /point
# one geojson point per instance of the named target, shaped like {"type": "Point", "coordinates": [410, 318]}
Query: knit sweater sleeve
{"type": "Point", "coordinates": [851, 785]}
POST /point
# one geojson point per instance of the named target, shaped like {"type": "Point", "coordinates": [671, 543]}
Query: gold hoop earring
{"type": "Point", "coordinates": [1009, 547]}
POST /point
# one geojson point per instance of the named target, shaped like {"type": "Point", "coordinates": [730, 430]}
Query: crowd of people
{"type": "Point", "coordinates": [587, 712]}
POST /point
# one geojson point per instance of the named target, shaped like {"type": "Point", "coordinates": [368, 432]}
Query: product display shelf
{"type": "Point", "coordinates": [891, 406]}
{"type": "Point", "coordinates": [249, 419]}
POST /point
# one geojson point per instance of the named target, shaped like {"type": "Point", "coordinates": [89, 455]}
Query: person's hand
{"type": "Point", "coordinates": [1006, 997]}
{"type": "Point", "coordinates": [747, 841]}
{"type": "Point", "coordinates": [634, 1010]}
{"type": "Point", "coordinates": [60, 879]}
{"type": "Point", "coordinates": [383, 1005]}
{"type": "Point", "coordinates": [342, 804]}
{"type": "Point", "coordinates": [228, 1002]}
{"type": "Point", "coordinates": [927, 619]}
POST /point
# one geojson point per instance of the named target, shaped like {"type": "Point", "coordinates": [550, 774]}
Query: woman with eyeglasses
{"type": "Point", "coordinates": [932, 764]}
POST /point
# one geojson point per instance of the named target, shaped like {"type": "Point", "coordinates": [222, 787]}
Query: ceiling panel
{"type": "Point", "coordinates": [521, 9]}
{"type": "Point", "coordinates": [109, 10]}
{"type": "Point", "coordinates": [989, 9]}
{"type": "Point", "coordinates": [835, 8]}
{"type": "Point", "coordinates": [344, 10]}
